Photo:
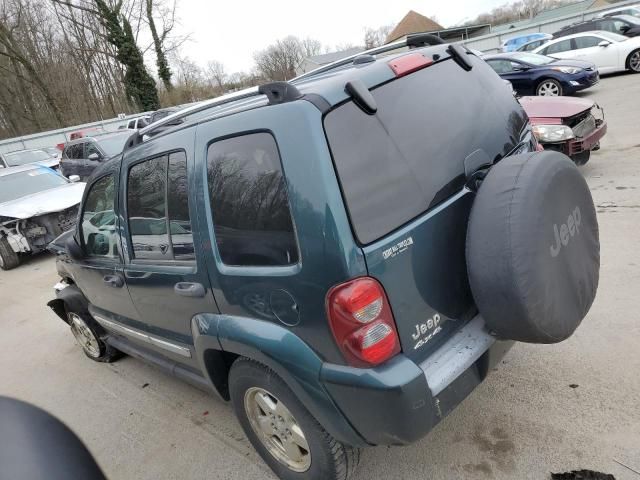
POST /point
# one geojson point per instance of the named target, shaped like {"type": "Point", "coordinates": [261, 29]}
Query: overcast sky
{"type": "Point", "coordinates": [230, 31]}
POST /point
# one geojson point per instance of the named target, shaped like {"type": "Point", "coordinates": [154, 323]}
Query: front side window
{"type": "Point", "coordinates": [249, 202]}
{"type": "Point", "coordinates": [91, 149]}
{"type": "Point", "coordinates": [501, 66]}
{"type": "Point", "coordinates": [587, 42]}
{"type": "Point", "coordinates": [158, 209]}
{"type": "Point", "coordinates": [98, 227]}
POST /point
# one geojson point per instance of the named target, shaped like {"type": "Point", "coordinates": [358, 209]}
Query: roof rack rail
{"type": "Point", "coordinates": [412, 41]}
{"type": "Point", "coordinates": [199, 107]}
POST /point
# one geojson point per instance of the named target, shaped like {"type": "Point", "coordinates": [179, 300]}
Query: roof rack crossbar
{"type": "Point", "coordinates": [410, 41]}
{"type": "Point", "coordinates": [348, 60]}
{"type": "Point", "coordinates": [199, 107]}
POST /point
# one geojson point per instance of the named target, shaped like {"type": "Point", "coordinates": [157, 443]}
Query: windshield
{"type": "Point", "coordinates": [112, 145]}
{"type": "Point", "coordinates": [533, 58]}
{"type": "Point", "coordinates": [614, 37]}
{"type": "Point", "coordinates": [27, 156]}
{"type": "Point", "coordinates": [21, 184]}
{"type": "Point", "coordinates": [629, 19]}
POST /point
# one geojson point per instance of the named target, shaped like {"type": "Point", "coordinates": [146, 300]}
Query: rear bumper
{"type": "Point", "coordinates": [401, 401]}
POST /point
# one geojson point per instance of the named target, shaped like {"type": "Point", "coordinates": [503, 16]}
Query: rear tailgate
{"type": "Point", "coordinates": [402, 174]}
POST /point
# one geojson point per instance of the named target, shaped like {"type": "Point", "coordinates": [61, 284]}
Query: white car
{"type": "Point", "coordinates": [36, 205]}
{"type": "Point", "coordinates": [633, 10]}
{"type": "Point", "coordinates": [609, 51]}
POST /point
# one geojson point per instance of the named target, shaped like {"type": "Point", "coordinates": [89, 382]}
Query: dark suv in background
{"type": "Point", "coordinates": [343, 257]}
{"type": "Point", "coordinates": [626, 25]}
{"type": "Point", "coordinates": [82, 156]}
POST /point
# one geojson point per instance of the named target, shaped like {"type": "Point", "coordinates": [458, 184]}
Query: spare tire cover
{"type": "Point", "coordinates": [533, 254]}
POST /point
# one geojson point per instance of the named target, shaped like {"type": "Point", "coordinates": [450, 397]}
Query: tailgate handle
{"type": "Point", "coordinates": [188, 289]}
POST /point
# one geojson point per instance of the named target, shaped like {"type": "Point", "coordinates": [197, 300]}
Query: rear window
{"type": "Point", "coordinates": [409, 156]}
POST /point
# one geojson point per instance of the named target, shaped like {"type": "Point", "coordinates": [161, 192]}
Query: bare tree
{"type": "Point", "coordinates": [215, 71]}
{"type": "Point", "coordinates": [519, 10]}
{"type": "Point", "coordinates": [168, 17]}
{"type": "Point", "coordinates": [310, 47]}
{"type": "Point", "coordinates": [281, 60]}
{"type": "Point", "coordinates": [375, 37]}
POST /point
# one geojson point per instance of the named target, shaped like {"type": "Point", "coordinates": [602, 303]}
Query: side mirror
{"type": "Point", "coordinates": [604, 43]}
{"type": "Point", "coordinates": [520, 68]}
{"type": "Point", "coordinates": [74, 178]}
{"type": "Point", "coordinates": [74, 250]}
{"type": "Point", "coordinates": [94, 156]}
{"type": "Point", "coordinates": [624, 29]}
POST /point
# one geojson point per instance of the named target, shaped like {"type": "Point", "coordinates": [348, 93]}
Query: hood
{"type": "Point", "coordinates": [554, 107]}
{"type": "Point", "coordinates": [47, 201]}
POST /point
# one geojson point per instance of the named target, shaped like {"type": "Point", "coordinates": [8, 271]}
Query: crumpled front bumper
{"type": "Point", "coordinates": [400, 402]}
{"type": "Point", "coordinates": [588, 142]}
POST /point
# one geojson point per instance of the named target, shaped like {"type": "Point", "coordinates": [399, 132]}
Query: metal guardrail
{"type": "Point", "coordinates": [51, 138]}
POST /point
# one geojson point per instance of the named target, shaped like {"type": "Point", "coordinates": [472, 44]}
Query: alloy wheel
{"type": "Point", "coordinates": [634, 61]}
{"type": "Point", "coordinates": [84, 335]}
{"type": "Point", "coordinates": [277, 429]}
{"type": "Point", "coordinates": [548, 89]}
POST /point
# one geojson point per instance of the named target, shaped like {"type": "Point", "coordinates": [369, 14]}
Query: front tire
{"type": "Point", "coordinates": [581, 158]}
{"type": "Point", "coordinates": [283, 432]}
{"type": "Point", "coordinates": [549, 88]}
{"type": "Point", "coordinates": [633, 61]}
{"type": "Point", "coordinates": [84, 330]}
{"type": "Point", "coordinates": [8, 258]}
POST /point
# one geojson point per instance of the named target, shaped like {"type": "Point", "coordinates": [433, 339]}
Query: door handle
{"type": "Point", "coordinates": [188, 289]}
{"type": "Point", "coordinates": [115, 281]}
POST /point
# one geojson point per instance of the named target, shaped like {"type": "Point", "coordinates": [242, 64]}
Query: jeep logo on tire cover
{"type": "Point", "coordinates": [565, 232]}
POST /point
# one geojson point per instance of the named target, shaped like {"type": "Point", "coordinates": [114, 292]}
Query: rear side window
{"type": "Point", "coordinates": [74, 152]}
{"type": "Point", "coordinates": [558, 47]}
{"type": "Point", "coordinates": [410, 155]}
{"type": "Point", "coordinates": [158, 209]}
{"type": "Point", "coordinates": [249, 202]}
{"type": "Point", "coordinates": [99, 220]}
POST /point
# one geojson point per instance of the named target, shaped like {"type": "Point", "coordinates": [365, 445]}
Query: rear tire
{"type": "Point", "coordinates": [84, 330]}
{"type": "Point", "coordinates": [633, 61]}
{"type": "Point", "coordinates": [277, 423]}
{"type": "Point", "coordinates": [549, 88]}
{"type": "Point", "coordinates": [8, 258]}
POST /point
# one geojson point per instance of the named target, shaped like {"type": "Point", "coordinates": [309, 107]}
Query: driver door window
{"type": "Point", "coordinates": [586, 42]}
{"type": "Point", "coordinates": [501, 66]}
{"type": "Point", "coordinates": [90, 149]}
{"type": "Point", "coordinates": [98, 228]}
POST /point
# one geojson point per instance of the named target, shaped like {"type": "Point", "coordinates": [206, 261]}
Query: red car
{"type": "Point", "coordinates": [573, 126]}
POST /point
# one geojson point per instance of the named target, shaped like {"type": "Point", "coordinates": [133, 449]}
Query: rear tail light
{"type": "Point", "coordinates": [362, 322]}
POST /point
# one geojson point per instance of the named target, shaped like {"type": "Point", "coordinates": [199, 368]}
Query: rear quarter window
{"type": "Point", "coordinates": [249, 202]}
